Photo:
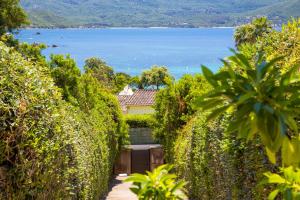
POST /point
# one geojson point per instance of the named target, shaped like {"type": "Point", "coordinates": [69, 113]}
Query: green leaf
{"type": "Point", "coordinates": [208, 104]}
{"type": "Point", "coordinates": [273, 194]}
{"type": "Point", "coordinates": [215, 113]}
{"type": "Point", "coordinates": [243, 60]}
{"type": "Point", "coordinates": [290, 152]}
{"type": "Point", "coordinates": [209, 76]}
{"type": "Point", "coordinates": [270, 64]}
{"type": "Point", "coordinates": [291, 123]}
{"type": "Point", "coordinates": [271, 155]}
{"type": "Point", "coordinates": [245, 97]}
{"type": "Point", "coordinates": [274, 178]}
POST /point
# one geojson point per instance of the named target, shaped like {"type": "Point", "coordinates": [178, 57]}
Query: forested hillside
{"type": "Point", "coordinates": [146, 13]}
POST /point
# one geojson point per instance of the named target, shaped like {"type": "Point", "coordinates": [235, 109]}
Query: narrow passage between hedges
{"type": "Point", "coordinates": [120, 190]}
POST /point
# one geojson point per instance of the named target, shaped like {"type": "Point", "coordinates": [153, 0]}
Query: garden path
{"type": "Point", "coordinates": [120, 190]}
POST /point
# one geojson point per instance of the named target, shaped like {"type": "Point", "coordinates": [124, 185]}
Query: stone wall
{"type": "Point", "coordinates": [141, 136]}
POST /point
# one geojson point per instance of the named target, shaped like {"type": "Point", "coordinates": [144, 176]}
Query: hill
{"type": "Point", "coordinates": [147, 13]}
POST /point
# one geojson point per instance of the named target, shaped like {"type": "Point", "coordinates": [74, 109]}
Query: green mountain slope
{"type": "Point", "coordinates": [156, 12]}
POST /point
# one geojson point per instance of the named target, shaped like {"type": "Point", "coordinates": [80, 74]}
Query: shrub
{"type": "Point", "coordinates": [218, 166]}
{"type": "Point", "coordinates": [174, 108]}
{"type": "Point", "coordinates": [50, 149]}
{"type": "Point", "coordinates": [159, 184]}
{"type": "Point", "coordinates": [288, 183]}
{"type": "Point", "coordinates": [215, 165]}
{"type": "Point", "coordinates": [140, 121]}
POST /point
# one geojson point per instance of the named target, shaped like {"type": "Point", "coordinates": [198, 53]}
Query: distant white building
{"type": "Point", "coordinates": [127, 91]}
{"type": "Point", "coordinates": [138, 102]}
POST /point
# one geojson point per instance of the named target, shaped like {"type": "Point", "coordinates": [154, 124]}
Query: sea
{"type": "Point", "coordinates": [133, 50]}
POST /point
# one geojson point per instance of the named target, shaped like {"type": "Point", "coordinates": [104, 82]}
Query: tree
{"type": "Point", "coordinates": [249, 33]}
{"type": "Point", "coordinates": [135, 82]}
{"type": "Point", "coordinates": [66, 75]}
{"type": "Point", "coordinates": [12, 16]}
{"type": "Point", "coordinates": [101, 71]}
{"type": "Point", "coordinates": [105, 74]}
{"type": "Point", "coordinates": [121, 80]}
{"type": "Point", "coordinates": [157, 76]}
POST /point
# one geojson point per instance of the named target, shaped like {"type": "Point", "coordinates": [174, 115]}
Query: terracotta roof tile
{"type": "Point", "coordinates": [139, 98]}
{"type": "Point", "coordinates": [123, 99]}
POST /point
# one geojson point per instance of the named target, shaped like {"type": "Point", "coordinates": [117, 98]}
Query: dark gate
{"type": "Point", "coordinates": [140, 161]}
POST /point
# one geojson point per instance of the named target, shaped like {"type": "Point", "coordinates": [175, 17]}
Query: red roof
{"type": "Point", "coordinates": [139, 98]}
{"type": "Point", "coordinates": [123, 99]}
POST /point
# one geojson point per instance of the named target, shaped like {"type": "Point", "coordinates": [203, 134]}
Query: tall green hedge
{"type": "Point", "coordinates": [50, 149]}
{"type": "Point", "coordinates": [140, 121]}
{"type": "Point", "coordinates": [217, 165]}
{"type": "Point", "coordinates": [174, 108]}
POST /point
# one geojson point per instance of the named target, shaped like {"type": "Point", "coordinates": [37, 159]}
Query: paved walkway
{"type": "Point", "coordinates": [120, 190]}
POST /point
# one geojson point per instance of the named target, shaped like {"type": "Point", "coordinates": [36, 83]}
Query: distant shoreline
{"type": "Point", "coordinates": [158, 27]}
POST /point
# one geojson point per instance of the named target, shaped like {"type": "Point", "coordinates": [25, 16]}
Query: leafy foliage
{"type": "Point", "coordinates": [155, 77]}
{"type": "Point", "coordinates": [284, 43]}
{"type": "Point", "coordinates": [263, 100]}
{"type": "Point", "coordinates": [217, 165]}
{"type": "Point", "coordinates": [140, 121]}
{"type": "Point", "coordinates": [288, 183]}
{"type": "Point", "coordinates": [248, 33]}
{"type": "Point", "coordinates": [122, 79]}
{"type": "Point", "coordinates": [158, 184]}
{"type": "Point", "coordinates": [51, 149]}
{"type": "Point", "coordinates": [31, 52]}
{"type": "Point", "coordinates": [66, 75]}
{"type": "Point", "coordinates": [101, 71]}
{"type": "Point", "coordinates": [32, 141]}
{"type": "Point", "coordinates": [174, 107]}
{"type": "Point", "coordinates": [12, 16]}
{"type": "Point", "coordinates": [105, 74]}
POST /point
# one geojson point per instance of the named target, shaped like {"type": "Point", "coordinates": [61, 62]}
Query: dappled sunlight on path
{"type": "Point", "coordinates": [120, 190]}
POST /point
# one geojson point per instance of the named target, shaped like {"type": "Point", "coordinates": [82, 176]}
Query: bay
{"type": "Point", "coordinates": [132, 50]}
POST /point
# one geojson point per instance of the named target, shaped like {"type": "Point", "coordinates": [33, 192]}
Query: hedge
{"type": "Point", "coordinates": [140, 121]}
{"type": "Point", "coordinates": [217, 165]}
{"type": "Point", "coordinates": [50, 149]}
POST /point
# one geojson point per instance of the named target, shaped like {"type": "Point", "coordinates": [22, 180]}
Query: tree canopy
{"type": "Point", "coordinates": [105, 74]}
{"type": "Point", "coordinates": [248, 33]}
{"type": "Point", "coordinates": [156, 77]}
{"type": "Point", "coordinates": [66, 75]}
{"type": "Point", "coordinates": [12, 16]}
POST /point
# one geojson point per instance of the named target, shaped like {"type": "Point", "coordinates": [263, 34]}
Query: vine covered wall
{"type": "Point", "coordinates": [217, 165]}
{"type": "Point", "coordinates": [49, 148]}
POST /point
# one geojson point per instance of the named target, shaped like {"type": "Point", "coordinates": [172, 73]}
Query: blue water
{"type": "Point", "coordinates": [133, 50]}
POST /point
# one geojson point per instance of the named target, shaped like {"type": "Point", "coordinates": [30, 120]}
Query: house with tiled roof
{"type": "Point", "coordinates": [138, 102]}
{"type": "Point", "coordinates": [143, 154]}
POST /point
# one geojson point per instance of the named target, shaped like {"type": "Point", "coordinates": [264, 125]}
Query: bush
{"type": "Point", "coordinates": [140, 121]}
{"type": "Point", "coordinates": [216, 165]}
{"type": "Point", "coordinates": [50, 149]}
{"type": "Point", "coordinates": [159, 184]}
{"type": "Point", "coordinates": [174, 108]}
